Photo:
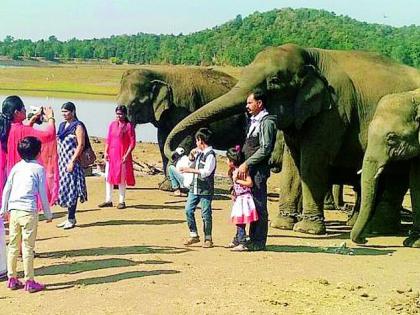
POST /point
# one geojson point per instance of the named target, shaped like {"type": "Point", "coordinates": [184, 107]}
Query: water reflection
{"type": "Point", "coordinates": [95, 114]}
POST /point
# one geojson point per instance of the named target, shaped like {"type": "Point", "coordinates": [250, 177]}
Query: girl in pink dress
{"type": "Point", "coordinates": [120, 142]}
{"type": "Point", "coordinates": [243, 209]}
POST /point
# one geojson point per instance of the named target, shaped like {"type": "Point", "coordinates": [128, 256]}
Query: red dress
{"type": "Point", "coordinates": [121, 136]}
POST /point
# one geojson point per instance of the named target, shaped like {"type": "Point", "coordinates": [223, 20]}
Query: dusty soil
{"type": "Point", "coordinates": [132, 261]}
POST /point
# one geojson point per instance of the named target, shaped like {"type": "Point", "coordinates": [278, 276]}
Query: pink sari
{"type": "Point", "coordinates": [48, 157]}
{"type": "Point", "coordinates": [121, 136]}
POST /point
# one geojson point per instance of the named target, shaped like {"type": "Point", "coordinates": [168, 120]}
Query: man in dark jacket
{"type": "Point", "coordinates": [259, 143]}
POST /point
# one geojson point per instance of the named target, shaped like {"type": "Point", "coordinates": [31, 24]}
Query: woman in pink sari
{"type": "Point", "coordinates": [12, 130]}
{"type": "Point", "coordinates": [120, 142]}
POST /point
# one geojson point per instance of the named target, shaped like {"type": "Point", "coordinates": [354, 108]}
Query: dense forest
{"type": "Point", "coordinates": [233, 43]}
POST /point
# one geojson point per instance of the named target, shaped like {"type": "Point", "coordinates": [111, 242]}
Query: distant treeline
{"type": "Point", "coordinates": [233, 43]}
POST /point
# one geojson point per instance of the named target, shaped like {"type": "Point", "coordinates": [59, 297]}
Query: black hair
{"type": "Point", "coordinates": [70, 107]}
{"type": "Point", "coordinates": [10, 105]}
{"type": "Point", "coordinates": [259, 95]}
{"type": "Point", "coordinates": [204, 134]}
{"type": "Point", "coordinates": [235, 155]}
{"type": "Point", "coordinates": [29, 148]}
{"type": "Point", "coordinates": [123, 109]}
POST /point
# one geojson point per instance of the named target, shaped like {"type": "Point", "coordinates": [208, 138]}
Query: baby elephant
{"type": "Point", "coordinates": [393, 152]}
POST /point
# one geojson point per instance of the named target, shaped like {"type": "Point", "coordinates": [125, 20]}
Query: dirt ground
{"type": "Point", "coordinates": [132, 261]}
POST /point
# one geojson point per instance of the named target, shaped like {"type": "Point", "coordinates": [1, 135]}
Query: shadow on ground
{"type": "Point", "coordinates": [131, 222]}
{"type": "Point", "coordinates": [89, 265]}
{"type": "Point", "coordinates": [328, 250]}
{"type": "Point", "coordinates": [125, 250]}
{"type": "Point", "coordinates": [109, 279]}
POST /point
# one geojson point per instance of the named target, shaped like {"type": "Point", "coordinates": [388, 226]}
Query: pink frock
{"type": "Point", "coordinates": [121, 136]}
{"type": "Point", "coordinates": [48, 157]}
{"type": "Point", "coordinates": [243, 209]}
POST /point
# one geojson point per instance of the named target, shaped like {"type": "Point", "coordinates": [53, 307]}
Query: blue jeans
{"type": "Point", "coordinates": [176, 178]}
{"type": "Point", "coordinates": [190, 206]}
{"type": "Point", "coordinates": [240, 237]}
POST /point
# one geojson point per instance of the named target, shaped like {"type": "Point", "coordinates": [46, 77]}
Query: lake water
{"type": "Point", "coordinates": [95, 114]}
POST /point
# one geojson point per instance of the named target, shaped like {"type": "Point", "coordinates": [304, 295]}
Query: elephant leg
{"type": "Point", "coordinates": [290, 194]}
{"type": "Point", "coordinates": [329, 200]}
{"type": "Point", "coordinates": [356, 209]}
{"type": "Point", "coordinates": [413, 239]}
{"type": "Point", "coordinates": [386, 219]}
{"type": "Point", "coordinates": [337, 193]}
{"type": "Point", "coordinates": [314, 179]}
{"type": "Point", "coordinates": [165, 185]}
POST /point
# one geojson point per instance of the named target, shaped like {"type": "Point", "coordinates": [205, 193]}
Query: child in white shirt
{"type": "Point", "coordinates": [25, 183]}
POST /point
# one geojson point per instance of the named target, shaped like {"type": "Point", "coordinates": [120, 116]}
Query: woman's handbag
{"type": "Point", "coordinates": [88, 157]}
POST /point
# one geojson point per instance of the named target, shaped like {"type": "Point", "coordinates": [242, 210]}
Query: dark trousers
{"type": "Point", "coordinates": [258, 230]}
{"type": "Point", "coordinates": [71, 211]}
{"type": "Point", "coordinates": [240, 237]}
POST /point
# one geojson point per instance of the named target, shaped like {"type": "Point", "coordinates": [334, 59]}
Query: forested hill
{"type": "Point", "coordinates": [235, 42]}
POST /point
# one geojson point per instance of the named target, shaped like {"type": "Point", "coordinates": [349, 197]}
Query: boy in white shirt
{"type": "Point", "coordinates": [25, 183]}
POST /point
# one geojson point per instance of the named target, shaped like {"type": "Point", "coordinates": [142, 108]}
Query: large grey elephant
{"type": "Point", "coordinates": [324, 101]}
{"type": "Point", "coordinates": [393, 152]}
{"type": "Point", "coordinates": [164, 96]}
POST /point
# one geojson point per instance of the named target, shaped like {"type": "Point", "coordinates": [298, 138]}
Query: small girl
{"type": "Point", "coordinates": [243, 209]}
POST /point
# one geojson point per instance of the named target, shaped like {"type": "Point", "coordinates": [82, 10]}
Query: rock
{"type": "Point", "coordinates": [323, 281]}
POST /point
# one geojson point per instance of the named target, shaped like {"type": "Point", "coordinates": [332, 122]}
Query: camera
{"type": "Point", "coordinates": [34, 110]}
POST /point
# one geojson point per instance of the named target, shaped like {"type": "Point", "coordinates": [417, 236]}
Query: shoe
{"type": "Point", "coordinates": [105, 204]}
{"type": "Point", "coordinates": [14, 284]}
{"type": "Point", "coordinates": [231, 245]}
{"type": "Point", "coordinates": [192, 240]}
{"type": "Point", "coordinates": [240, 248]}
{"type": "Point", "coordinates": [121, 205]}
{"type": "Point", "coordinates": [208, 244]}
{"type": "Point", "coordinates": [32, 286]}
{"type": "Point", "coordinates": [69, 224]}
{"type": "Point", "coordinates": [62, 224]}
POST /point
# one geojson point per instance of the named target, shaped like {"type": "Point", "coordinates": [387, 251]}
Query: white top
{"type": "Point", "coordinates": [209, 163]}
{"type": "Point", "coordinates": [184, 161]}
{"type": "Point", "coordinates": [25, 182]}
{"type": "Point", "coordinates": [255, 123]}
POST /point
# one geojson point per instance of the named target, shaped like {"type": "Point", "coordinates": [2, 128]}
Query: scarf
{"type": "Point", "coordinates": [71, 129]}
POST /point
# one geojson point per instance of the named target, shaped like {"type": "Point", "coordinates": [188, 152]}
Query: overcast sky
{"type": "Point", "coordinates": [30, 19]}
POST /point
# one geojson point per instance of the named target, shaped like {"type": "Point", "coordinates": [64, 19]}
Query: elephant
{"type": "Point", "coordinates": [393, 151]}
{"type": "Point", "coordinates": [323, 101]}
{"type": "Point", "coordinates": [164, 96]}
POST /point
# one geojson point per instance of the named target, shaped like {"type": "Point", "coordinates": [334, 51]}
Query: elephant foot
{"type": "Point", "coordinates": [329, 206]}
{"type": "Point", "coordinates": [314, 225]}
{"type": "Point", "coordinates": [413, 240]}
{"type": "Point", "coordinates": [283, 222]}
{"type": "Point", "coordinates": [359, 240]}
{"type": "Point", "coordinates": [352, 218]}
{"type": "Point", "coordinates": [165, 185]}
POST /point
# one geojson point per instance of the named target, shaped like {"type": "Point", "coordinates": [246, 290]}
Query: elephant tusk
{"type": "Point", "coordinates": [359, 172]}
{"type": "Point", "coordinates": [380, 170]}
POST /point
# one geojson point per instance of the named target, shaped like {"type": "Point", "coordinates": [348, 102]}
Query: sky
{"type": "Point", "coordinates": [85, 19]}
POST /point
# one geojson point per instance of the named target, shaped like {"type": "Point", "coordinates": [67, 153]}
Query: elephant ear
{"type": "Point", "coordinates": [162, 98]}
{"type": "Point", "coordinates": [313, 96]}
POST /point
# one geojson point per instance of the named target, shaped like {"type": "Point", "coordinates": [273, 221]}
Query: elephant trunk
{"type": "Point", "coordinates": [227, 105]}
{"type": "Point", "coordinates": [370, 176]}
